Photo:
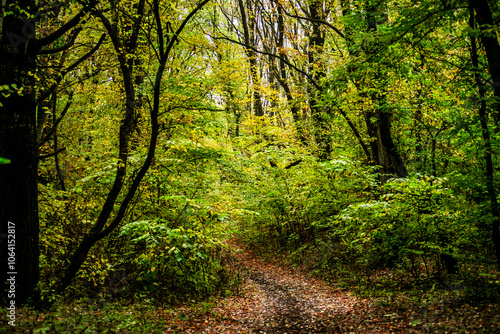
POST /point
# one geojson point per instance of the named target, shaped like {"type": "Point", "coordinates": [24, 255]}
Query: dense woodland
{"type": "Point", "coordinates": [357, 139]}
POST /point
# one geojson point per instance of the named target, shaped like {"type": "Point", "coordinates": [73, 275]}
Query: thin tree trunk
{"type": "Point", "coordinates": [100, 229]}
{"type": "Point", "coordinates": [319, 113]}
{"type": "Point", "coordinates": [379, 120]}
{"type": "Point", "coordinates": [123, 47]}
{"type": "Point", "coordinates": [56, 146]}
{"type": "Point", "coordinates": [282, 75]}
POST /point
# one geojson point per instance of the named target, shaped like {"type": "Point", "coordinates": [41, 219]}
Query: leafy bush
{"type": "Point", "coordinates": [296, 205]}
{"type": "Point", "coordinates": [180, 260]}
{"type": "Point", "coordinates": [416, 225]}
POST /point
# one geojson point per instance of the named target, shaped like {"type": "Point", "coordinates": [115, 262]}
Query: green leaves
{"type": "Point", "coordinates": [4, 161]}
{"type": "Point", "coordinates": [7, 90]}
{"type": "Point", "coordinates": [179, 258]}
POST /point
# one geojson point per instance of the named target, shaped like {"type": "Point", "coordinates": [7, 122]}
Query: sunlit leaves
{"type": "Point", "coordinates": [4, 161]}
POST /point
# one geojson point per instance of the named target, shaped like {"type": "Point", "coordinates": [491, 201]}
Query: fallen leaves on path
{"type": "Point", "coordinates": [280, 299]}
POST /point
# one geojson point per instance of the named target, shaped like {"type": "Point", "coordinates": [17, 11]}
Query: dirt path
{"type": "Point", "coordinates": [280, 299]}
{"type": "Point", "coordinates": [276, 299]}
{"type": "Point", "coordinates": [289, 304]}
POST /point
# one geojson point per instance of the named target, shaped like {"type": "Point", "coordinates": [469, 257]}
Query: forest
{"type": "Point", "coordinates": [250, 166]}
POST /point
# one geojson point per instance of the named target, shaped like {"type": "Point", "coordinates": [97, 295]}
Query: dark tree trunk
{"type": "Point", "coordinates": [389, 157]}
{"type": "Point", "coordinates": [124, 46]}
{"type": "Point", "coordinates": [484, 18]}
{"type": "Point", "coordinates": [282, 75]}
{"type": "Point", "coordinates": [18, 142]}
{"type": "Point", "coordinates": [371, 128]}
{"type": "Point", "coordinates": [379, 120]}
{"type": "Point", "coordinates": [319, 113]}
{"type": "Point", "coordinates": [248, 33]}
{"type": "Point", "coordinates": [488, 156]}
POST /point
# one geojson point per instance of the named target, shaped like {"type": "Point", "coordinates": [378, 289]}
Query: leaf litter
{"type": "Point", "coordinates": [276, 298]}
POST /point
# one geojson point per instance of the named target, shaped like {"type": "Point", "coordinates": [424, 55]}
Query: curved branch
{"type": "Point", "coordinates": [181, 27]}
{"type": "Point", "coordinates": [56, 123]}
{"type": "Point", "coordinates": [45, 156]}
{"type": "Point", "coordinates": [64, 47]}
{"type": "Point", "coordinates": [100, 231]}
{"type": "Point", "coordinates": [47, 40]}
{"type": "Point", "coordinates": [71, 68]}
{"type": "Point", "coordinates": [159, 27]}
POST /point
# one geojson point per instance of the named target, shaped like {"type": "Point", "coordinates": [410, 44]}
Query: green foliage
{"type": "Point", "coordinates": [336, 218]}
{"type": "Point", "coordinates": [6, 90]}
{"type": "Point", "coordinates": [296, 205]}
{"type": "Point", "coordinates": [83, 317]}
{"type": "Point", "coordinates": [412, 225]}
{"type": "Point", "coordinates": [4, 161]}
{"type": "Point", "coordinates": [186, 261]}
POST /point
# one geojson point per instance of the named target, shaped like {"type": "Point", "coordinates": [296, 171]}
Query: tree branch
{"type": "Point", "coordinates": [313, 82]}
{"type": "Point", "coordinates": [64, 47]}
{"type": "Point", "coordinates": [45, 156]}
{"type": "Point", "coordinates": [61, 31]}
{"type": "Point", "coordinates": [69, 69]}
{"type": "Point", "coordinates": [54, 126]}
{"type": "Point", "coordinates": [329, 25]}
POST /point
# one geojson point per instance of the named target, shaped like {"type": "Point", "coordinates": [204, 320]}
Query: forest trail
{"type": "Point", "coordinates": [280, 299]}
{"type": "Point", "coordinates": [284, 300]}
{"type": "Point", "coordinates": [275, 299]}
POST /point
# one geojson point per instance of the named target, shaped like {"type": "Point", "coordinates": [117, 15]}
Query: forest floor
{"type": "Point", "coordinates": [276, 298]}
{"type": "Point", "coordinates": [273, 298]}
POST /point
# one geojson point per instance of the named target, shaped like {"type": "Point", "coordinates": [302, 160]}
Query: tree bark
{"type": "Point", "coordinates": [18, 142]}
{"type": "Point", "coordinates": [319, 113]}
{"type": "Point", "coordinates": [248, 28]}
{"type": "Point", "coordinates": [488, 156]}
{"type": "Point", "coordinates": [282, 74]}
{"type": "Point", "coordinates": [489, 40]}
{"type": "Point", "coordinates": [378, 120]}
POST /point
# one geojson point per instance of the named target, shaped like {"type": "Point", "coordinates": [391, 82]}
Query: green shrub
{"type": "Point", "coordinates": [416, 225]}
{"type": "Point", "coordinates": [180, 260]}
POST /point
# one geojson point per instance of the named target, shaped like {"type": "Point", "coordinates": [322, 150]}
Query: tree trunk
{"type": "Point", "coordinates": [282, 75]}
{"type": "Point", "coordinates": [378, 121]}
{"type": "Point", "coordinates": [18, 142]}
{"type": "Point", "coordinates": [488, 156]}
{"type": "Point", "coordinates": [489, 39]}
{"type": "Point", "coordinates": [248, 28]}
{"type": "Point", "coordinates": [124, 46]}
{"type": "Point", "coordinates": [104, 224]}
{"type": "Point", "coordinates": [388, 155]}
{"type": "Point", "coordinates": [319, 113]}
{"type": "Point", "coordinates": [378, 118]}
